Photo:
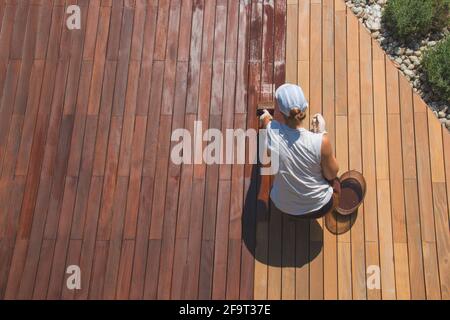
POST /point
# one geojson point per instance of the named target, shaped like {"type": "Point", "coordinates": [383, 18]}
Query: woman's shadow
{"type": "Point", "coordinates": [273, 238]}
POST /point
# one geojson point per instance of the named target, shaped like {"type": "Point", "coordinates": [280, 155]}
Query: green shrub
{"type": "Point", "coordinates": [436, 64]}
{"type": "Point", "coordinates": [407, 19]}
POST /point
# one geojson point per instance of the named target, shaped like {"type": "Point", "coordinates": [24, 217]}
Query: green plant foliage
{"type": "Point", "coordinates": [407, 19]}
{"type": "Point", "coordinates": [436, 64]}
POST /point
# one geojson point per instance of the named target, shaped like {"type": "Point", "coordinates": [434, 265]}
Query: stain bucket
{"type": "Point", "coordinates": [353, 192]}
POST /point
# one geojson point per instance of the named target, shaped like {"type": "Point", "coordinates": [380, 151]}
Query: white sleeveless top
{"type": "Point", "coordinates": [299, 187]}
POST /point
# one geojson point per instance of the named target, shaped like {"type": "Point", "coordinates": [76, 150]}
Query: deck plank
{"type": "Point", "coordinates": [332, 47]}
{"type": "Point", "coordinates": [424, 184]}
{"type": "Point", "coordinates": [368, 155]}
{"type": "Point", "coordinates": [411, 193]}
{"type": "Point", "coordinates": [303, 65]}
{"type": "Point", "coordinates": [355, 157]}
{"type": "Point", "coordinates": [396, 179]}
{"type": "Point", "coordinates": [316, 270]}
{"type": "Point", "coordinates": [383, 175]}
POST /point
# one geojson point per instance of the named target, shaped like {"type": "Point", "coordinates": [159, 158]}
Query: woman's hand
{"type": "Point", "coordinates": [318, 124]}
{"type": "Point", "coordinates": [265, 119]}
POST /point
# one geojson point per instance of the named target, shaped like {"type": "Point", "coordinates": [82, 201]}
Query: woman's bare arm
{"type": "Point", "coordinates": [330, 167]}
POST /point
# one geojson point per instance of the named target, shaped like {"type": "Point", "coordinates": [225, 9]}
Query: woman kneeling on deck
{"type": "Point", "coordinates": [306, 184]}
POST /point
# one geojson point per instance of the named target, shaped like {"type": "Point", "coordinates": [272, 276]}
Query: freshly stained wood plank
{"type": "Point", "coordinates": [44, 269]}
{"type": "Point", "coordinates": [159, 195]}
{"type": "Point", "coordinates": [199, 174]}
{"type": "Point", "coordinates": [104, 121]}
{"type": "Point", "coordinates": [115, 240]}
{"type": "Point", "coordinates": [20, 24]}
{"type": "Point", "coordinates": [25, 52]}
{"type": "Point", "coordinates": [22, 140]}
{"type": "Point", "coordinates": [114, 31]}
{"type": "Point", "coordinates": [172, 192]}
{"type": "Point", "coordinates": [123, 62]}
{"type": "Point", "coordinates": [7, 104]}
{"type": "Point", "coordinates": [243, 55]}
{"type": "Point", "coordinates": [129, 149]}
{"type": "Point", "coordinates": [79, 127]}
{"type": "Point", "coordinates": [179, 279]}
{"type": "Point", "coordinates": [185, 31]}
{"type": "Point", "coordinates": [260, 78]}
{"type": "Point", "coordinates": [105, 218]}
{"type": "Point", "coordinates": [12, 212]}
{"type": "Point", "coordinates": [7, 31]}
{"type": "Point", "coordinates": [98, 72]}
{"type": "Point", "coordinates": [89, 238]}
{"type": "Point", "coordinates": [235, 224]}
{"type": "Point", "coordinates": [17, 264]}
{"type": "Point", "coordinates": [73, 258]}
{"type": "Point", "coordinates": [99, 270]}
{"type": "Point", "coordinates": [151, 285]}
{"type": "Point", "coordinates": [260, 73]}
{"type": "Point", "coordinates": [223, 201]}
{"type": "Point", "coordinates": [282, 269]}
{"type": "Point", "coordinates": [140, 17]}
{"type": "Point", "coordinates": [145, 80]}
{"type": "Point", "coordinates": [212, 173]}
{"type": "Point", "coordinates": [171, 57]}
{"type": "Point", "coordinates": [195, 56]}
{"type": "Point", "coordinates": [92, 24]}
{"type": "Point", "coordinates": [125, 270]}
{"type": "Point", "coordinates": [221, 241]}
{"type": "Point", "coordinates": [43, 31]}
{"type": "Point", "coordinates": [163, 151]}
{"type": "Point", "coordinates": [141, 245]}
{"type": "Point", "coordinates": [161, 31]}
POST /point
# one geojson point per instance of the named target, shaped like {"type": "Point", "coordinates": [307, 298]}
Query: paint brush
{"type": "Point", "coordinates": [265, 105]}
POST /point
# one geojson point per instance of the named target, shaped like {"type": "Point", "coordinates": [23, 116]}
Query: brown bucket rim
{"type": "Point", "coordinates": [359, 177]}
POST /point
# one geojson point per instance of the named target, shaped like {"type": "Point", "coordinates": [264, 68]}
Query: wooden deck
{"type": "Point", "coordinates": [85, 176]}
{"type": "Point", "coordinates": [382, 129]}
